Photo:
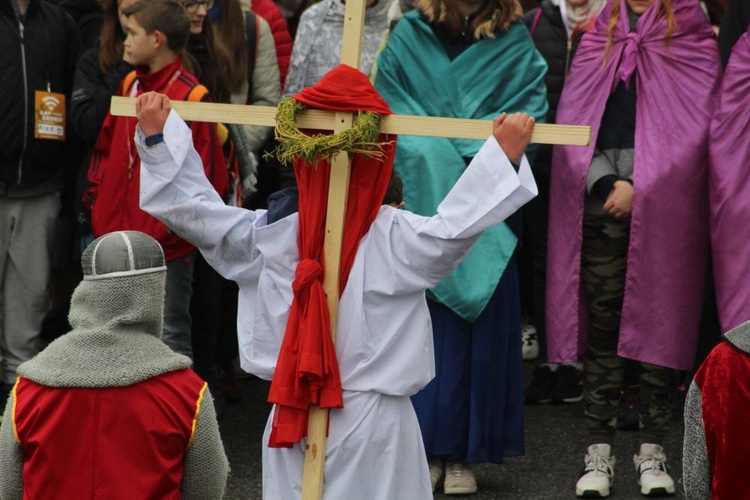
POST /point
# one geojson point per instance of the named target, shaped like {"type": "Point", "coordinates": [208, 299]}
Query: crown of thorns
{"type": "Point", "coordinates": [362, 138]}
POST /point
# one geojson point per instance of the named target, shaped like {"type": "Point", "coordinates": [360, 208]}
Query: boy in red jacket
{"type": "Point", "coordinates": [157, 33]}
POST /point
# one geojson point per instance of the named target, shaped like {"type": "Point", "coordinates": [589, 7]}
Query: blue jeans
{"type": "Point", "coordinates": [179, 289]}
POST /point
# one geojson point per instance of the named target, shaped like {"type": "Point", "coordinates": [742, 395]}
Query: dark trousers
{"type": "Point", "coordinates": [603, 267]}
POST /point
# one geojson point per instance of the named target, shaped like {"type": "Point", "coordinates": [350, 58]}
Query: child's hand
{"type": "Point", "coordinates": [152, 110]}
{"type": "Point", "coordinates": [619, 203]}
{"type": "Point", "coordinates": [513, 133]}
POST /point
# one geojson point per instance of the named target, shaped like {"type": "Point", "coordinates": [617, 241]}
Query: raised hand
{"type": "Point", "coordinates": [513, 133]}
{"type": "Point", "coordinates": [152, 110]}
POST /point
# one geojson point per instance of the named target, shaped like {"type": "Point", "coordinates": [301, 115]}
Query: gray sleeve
{"type": "Point", "coordinates": [11, 458]}
{"type": "Point", "coordinates": [601, 166]}
{"type": "Point", "coordinates": [696, 468]}
{"type": "Point", "coordinates": [295, 78]}
{"type": "Point", "coordinates": [206, 464]}
{"type": "Point", "coordinates": [266, 90]}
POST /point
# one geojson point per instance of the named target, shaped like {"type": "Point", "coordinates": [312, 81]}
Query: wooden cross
{"type": "Point", "coordinates": [351, 47]}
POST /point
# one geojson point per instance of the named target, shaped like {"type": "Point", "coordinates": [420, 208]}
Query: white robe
{"type": "Point", "coordinates": [384, 336]}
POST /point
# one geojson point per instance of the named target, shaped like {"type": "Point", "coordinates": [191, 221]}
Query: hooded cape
{"type": "Point", "coordinates": [416, 77]}
{"type": "Point", "coordinates": [307, 370]}
{"type": "Point", "coordinates": [729, 187]}
{"type": "Point", "coordinates": [115, 341]}
{"type": "Point", "coordinates": [676, 81]}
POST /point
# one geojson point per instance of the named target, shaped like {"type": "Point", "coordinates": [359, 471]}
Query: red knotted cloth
{"type": "Point", "coordinates": [307, 371]}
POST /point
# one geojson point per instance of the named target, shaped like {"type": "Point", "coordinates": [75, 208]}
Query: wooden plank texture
{"type": "Point", "coordinates": [458, 128]}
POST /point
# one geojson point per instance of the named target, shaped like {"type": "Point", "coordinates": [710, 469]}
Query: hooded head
{"type": "Point", "coordinates": [117, 314]}
{"type": "Point", "coordinates": [124, 274]}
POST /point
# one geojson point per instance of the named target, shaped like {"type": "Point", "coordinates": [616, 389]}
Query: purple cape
{"type": "Point", "coordinates": [729, 189]}
{"type": "Point", "coordinates": [676, 84]}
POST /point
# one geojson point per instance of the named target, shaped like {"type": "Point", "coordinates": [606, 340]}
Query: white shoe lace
{"type": "Point", "coordinates": [599, 464]}
{"type": "Point", "coordinates": [656, 464]}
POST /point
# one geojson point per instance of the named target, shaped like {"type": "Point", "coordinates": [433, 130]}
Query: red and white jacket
{"type": "Point", "coordinates": [114, 170]}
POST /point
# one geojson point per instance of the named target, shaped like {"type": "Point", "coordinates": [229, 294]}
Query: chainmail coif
{"type": "Point", "coordinates": [117, 324]}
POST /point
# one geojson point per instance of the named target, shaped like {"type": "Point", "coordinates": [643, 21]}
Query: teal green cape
{"type": "Point", "coordinates": [416, 77]}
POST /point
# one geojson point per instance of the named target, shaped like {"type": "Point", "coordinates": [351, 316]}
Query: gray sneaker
{"type": "Point", "coordinates": [459, 479]}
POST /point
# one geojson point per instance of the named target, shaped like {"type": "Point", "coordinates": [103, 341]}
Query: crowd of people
{"type": "Point", "coordinates": [617, 278]}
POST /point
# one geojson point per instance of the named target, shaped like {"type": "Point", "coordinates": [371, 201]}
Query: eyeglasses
{"type": "Point", "coordinates": [194, 6]}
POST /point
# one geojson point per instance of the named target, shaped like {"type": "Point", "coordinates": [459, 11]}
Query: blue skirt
{"type": "Point", "coordinates": [473, 409]}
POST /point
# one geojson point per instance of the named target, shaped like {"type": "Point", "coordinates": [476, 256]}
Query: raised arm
{"type": "Point", "coordinates": [424, 250]}
{"type": "Point", "coordinates": [174, 189]}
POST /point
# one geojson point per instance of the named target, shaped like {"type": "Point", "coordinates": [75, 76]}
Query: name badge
{"type": "Point", "coordinates": [49, 113]}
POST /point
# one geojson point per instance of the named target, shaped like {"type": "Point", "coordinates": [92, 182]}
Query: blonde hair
{"type": "Point", "coordinates": [665, 8]}
{"type": "Point", "coordinates": [499, 15]}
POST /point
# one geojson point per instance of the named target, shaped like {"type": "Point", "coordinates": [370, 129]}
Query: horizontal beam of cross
{"type": "Point", "coordinates": [544, 133]}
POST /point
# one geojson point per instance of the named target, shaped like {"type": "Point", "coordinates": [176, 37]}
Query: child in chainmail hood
{"type": "Point", "coordinates": [108, 410]}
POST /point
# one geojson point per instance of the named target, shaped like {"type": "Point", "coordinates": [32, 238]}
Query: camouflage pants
{"type": "Point", "coordinates": [603, 264]}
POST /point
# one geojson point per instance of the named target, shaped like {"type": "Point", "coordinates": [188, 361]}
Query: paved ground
{"type": "Point", "coordinates": [554, 454]}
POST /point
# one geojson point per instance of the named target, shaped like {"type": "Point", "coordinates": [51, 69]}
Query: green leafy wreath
{"type": "Point", "coordinates": [362, 138]}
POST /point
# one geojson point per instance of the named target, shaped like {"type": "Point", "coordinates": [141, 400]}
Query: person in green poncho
{"type": "Point", "coordinates": [465, 59]}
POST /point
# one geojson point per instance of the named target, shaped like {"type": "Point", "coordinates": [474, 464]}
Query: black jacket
{"type": "Point", "coordinates": [551, 40]}
{"type": "Point", "coordinates": [36, 50]}
{"type": "Point", "coordinates": [92, 95]}
{"type": "Point", "coordinates": [733, 26]}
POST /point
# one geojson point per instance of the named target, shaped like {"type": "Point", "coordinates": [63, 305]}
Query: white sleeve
{"type": "Point", "coordinates": [174, 189]}
{"type": "Point", "coordinates": [424, 250]}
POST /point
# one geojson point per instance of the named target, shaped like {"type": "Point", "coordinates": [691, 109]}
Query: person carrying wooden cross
{"type": "Point", "coordinates": [384, 351]}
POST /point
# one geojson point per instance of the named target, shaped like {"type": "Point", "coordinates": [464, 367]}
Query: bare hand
{"type": "Point", "coordinates": [513, 133]}
{"type": "Point", "coordinates": [152, 110]}
{"type": "Point", "coordinates": [619, 203]}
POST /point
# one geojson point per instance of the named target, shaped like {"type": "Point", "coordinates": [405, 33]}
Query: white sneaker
{"type": "Point", "coordinates": [459, 479]}
{"type": "Point", "coordinates": [437, 467]}
{"type": "Point", "coordinates": [529, 342]}
{"type": "Point", "coordinates": [596, 478]}
{"type": "Point", "coordinates": [653, 474]}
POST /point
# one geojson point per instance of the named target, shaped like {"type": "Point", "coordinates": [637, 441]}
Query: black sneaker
{"type": "Point", "coordinates": [568, 386]}
{"type": "Point", "coordinates": [538, 391]}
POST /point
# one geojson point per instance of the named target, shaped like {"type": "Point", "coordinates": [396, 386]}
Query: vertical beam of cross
{"type": "Point", "coordinates": [316, 447]}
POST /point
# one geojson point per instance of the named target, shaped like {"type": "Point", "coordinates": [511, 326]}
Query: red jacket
{"type": "Point", "coordinates": [270, 12]}
{"type": "Point", "coordinates": [107, 443]}
{"type": "Point", "coordinates": [114, 171]}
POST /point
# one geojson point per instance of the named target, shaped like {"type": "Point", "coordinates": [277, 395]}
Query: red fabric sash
{"type": "Point", "coordinates": [307, 369]}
